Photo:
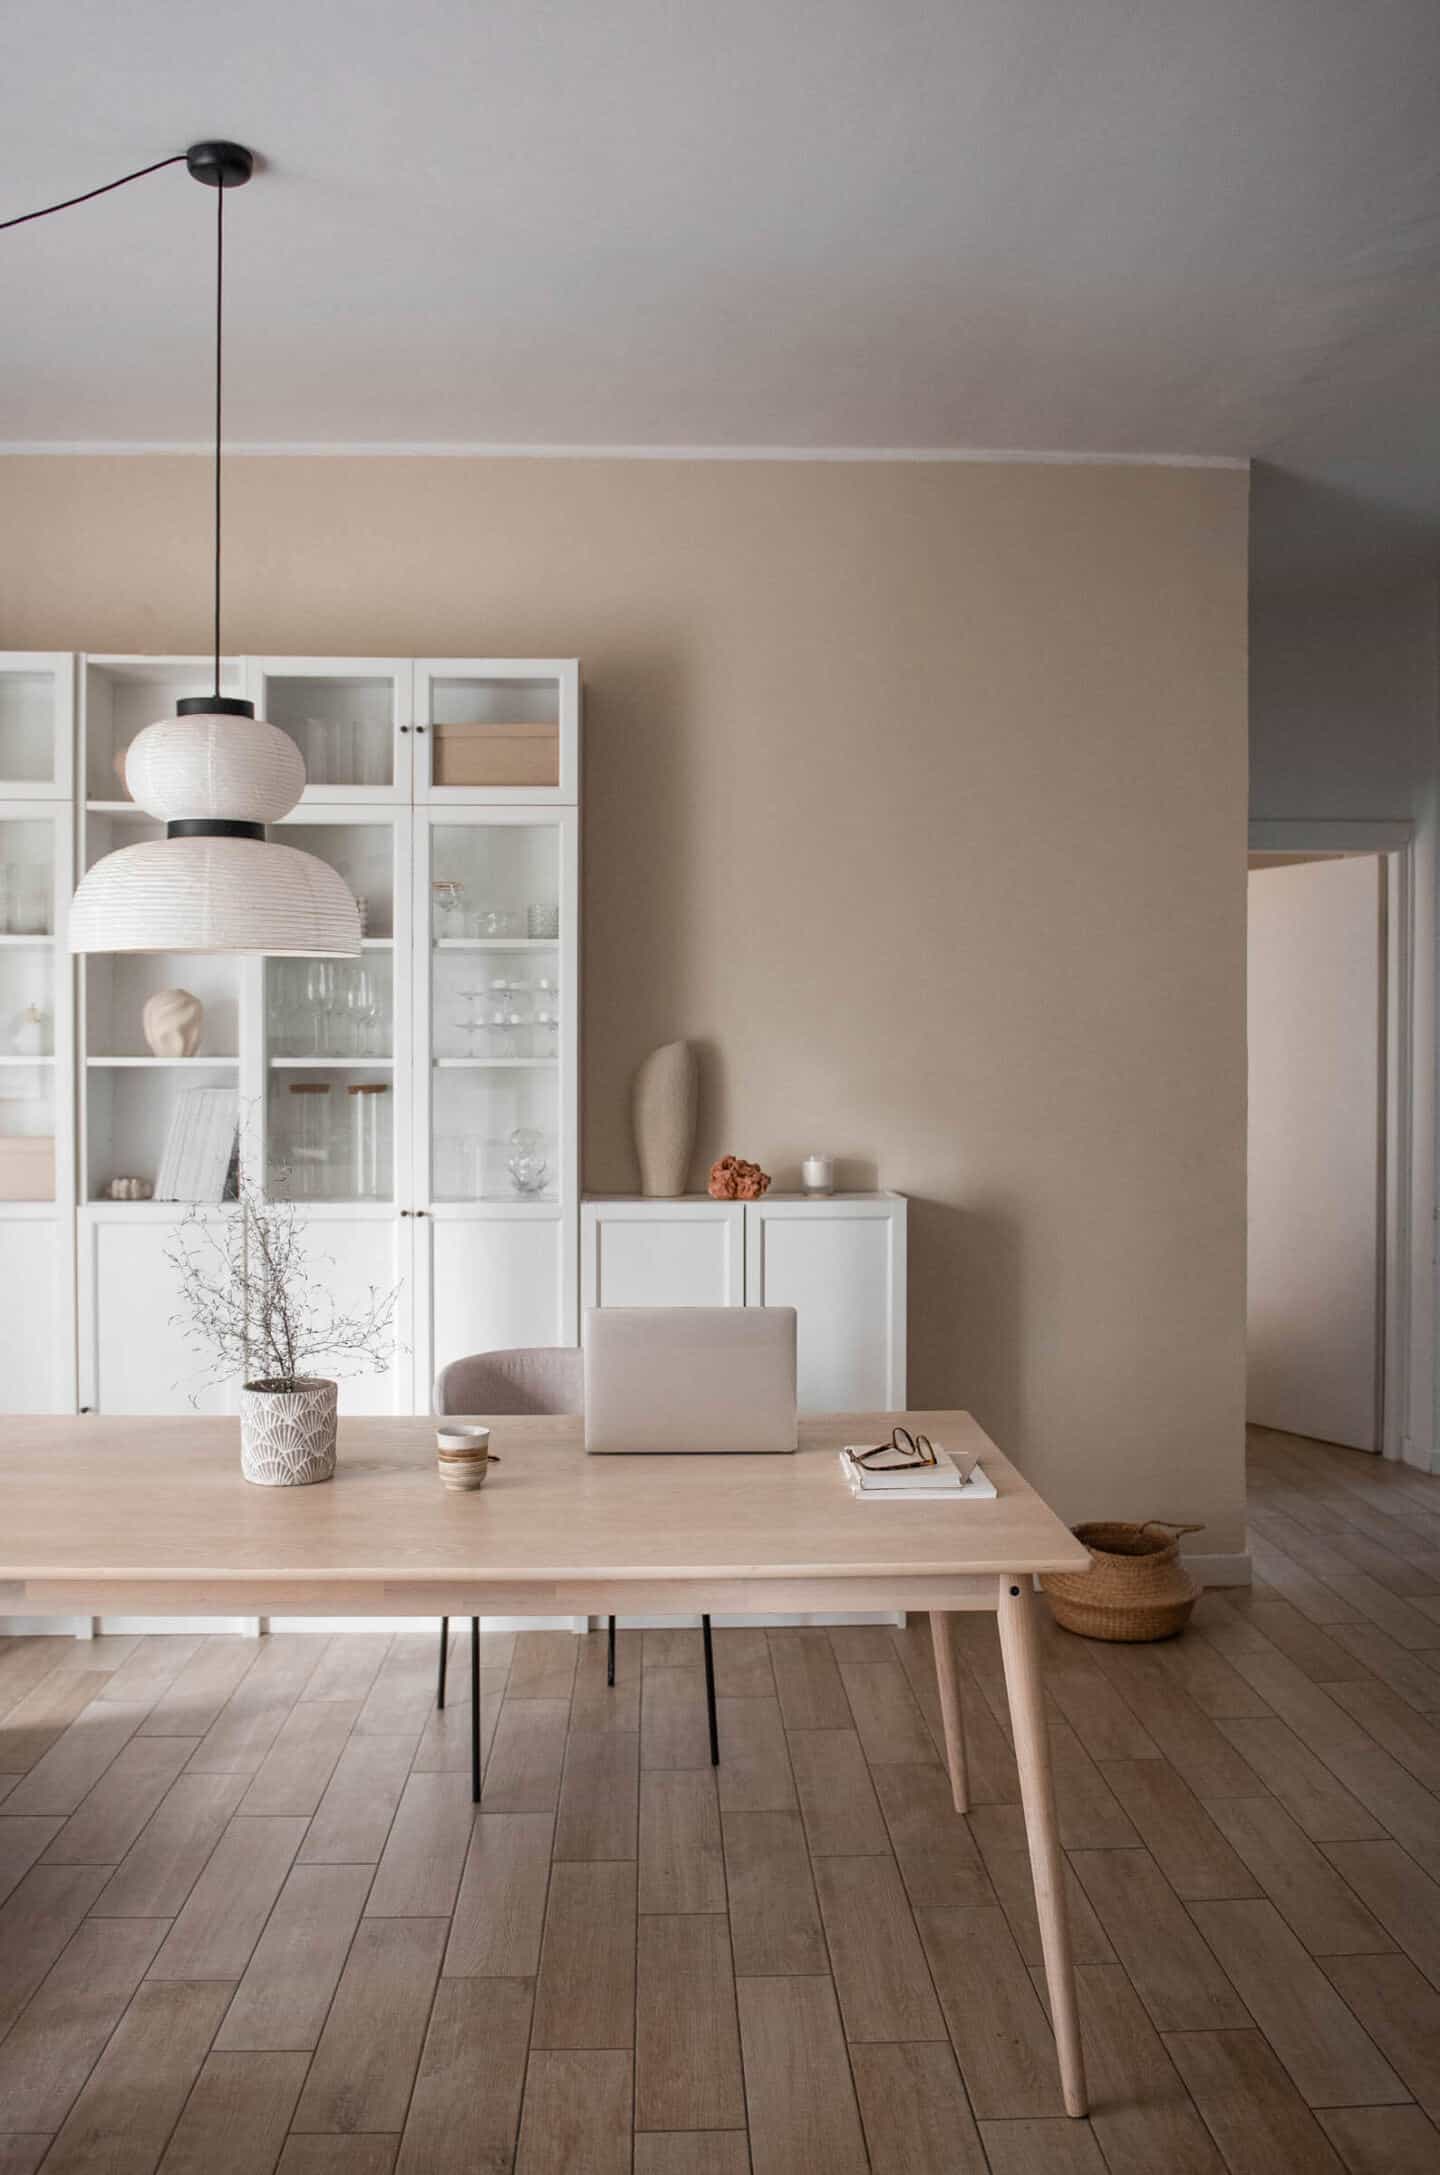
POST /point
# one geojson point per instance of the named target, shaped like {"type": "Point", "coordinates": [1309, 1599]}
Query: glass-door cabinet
{"type": "Point", "coordinates": [333, 1084]}
{"type": "Point", "coordinates": [496, 1139]}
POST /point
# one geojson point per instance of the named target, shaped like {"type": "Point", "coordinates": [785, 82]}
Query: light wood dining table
{"type": "Point", "coordinates": [151, 1516]}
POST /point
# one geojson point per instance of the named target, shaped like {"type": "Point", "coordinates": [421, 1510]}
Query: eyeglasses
{"type": "Point", "coordinates": [902, 1450]}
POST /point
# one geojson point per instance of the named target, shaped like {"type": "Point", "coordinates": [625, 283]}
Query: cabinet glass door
{"type": "Point", "coordinates": [37, 724]}
{"type": "Point", "coordinates": [504, 732]}
{"type": "Point", "coordinates": [32, 1009]}
{"type": "Point", "coordinates": [333, 1059]}
{"type": "Point", "coordinates": [349, 717]}
{"type": "Point", "coordinates": [501, 1011]}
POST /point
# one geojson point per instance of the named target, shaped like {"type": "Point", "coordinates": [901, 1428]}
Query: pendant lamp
{"type": "Point", "coordinates": [215, 775]}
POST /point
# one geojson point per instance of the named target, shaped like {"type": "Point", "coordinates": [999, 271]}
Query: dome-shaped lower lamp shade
{"type": "Point", "coordinates": [240, 767]}
{"type": "Point", "coordinates": [215, 895]}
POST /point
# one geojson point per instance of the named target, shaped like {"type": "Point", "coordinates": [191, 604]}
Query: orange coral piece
{"type": "Point", "coordinates": [733, 1179]}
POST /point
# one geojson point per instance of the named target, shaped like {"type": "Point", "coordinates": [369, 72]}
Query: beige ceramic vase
{"type": "Point", "coordinates": [665, 1106]}
{"type": "Point", "coordinates": [172, 1020]}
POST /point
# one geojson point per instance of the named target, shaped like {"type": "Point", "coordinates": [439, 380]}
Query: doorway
{"type": "Point", "coordinates": [1318, 945]}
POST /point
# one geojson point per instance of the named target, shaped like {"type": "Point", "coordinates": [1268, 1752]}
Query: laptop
{"type": "Point", "coordinates": [691, 1379]}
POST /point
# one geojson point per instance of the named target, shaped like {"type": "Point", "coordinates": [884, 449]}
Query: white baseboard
{"type": "Point", "coordinates": [1219, 1570]}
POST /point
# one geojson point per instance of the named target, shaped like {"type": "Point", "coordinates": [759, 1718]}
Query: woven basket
{"type": "Point", "coordinates": [1137, 1587]}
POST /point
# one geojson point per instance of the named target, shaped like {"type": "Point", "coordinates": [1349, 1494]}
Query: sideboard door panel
{"type": "Point", "coordinates": [841, 1265]}
{"type": "Point", "coordinates": [687, 1253]}
{"type": "Point", "coordinates": [138, 1357]}
{"type": "Point", "coordinates": [359, 1258]}
{"type": "Point", "coordinates": [495, 1282]}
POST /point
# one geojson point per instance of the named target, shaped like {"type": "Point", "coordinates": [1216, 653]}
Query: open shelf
{"type": "Point", "coordinates": [495, 1064]}
{"type": "Point", "coordinates": [130, 1103]}
{"type": "Point", "coordinates": [332, 1064]}
{"type": "Point", "coordinates": [117, 986]}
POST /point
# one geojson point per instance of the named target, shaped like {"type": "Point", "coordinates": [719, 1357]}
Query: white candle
{"type": "Point", "coordinates": [817, 1174]}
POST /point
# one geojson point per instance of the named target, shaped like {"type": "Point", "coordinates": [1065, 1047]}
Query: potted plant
{"type": "Point", "coordinates": [255, 1306]}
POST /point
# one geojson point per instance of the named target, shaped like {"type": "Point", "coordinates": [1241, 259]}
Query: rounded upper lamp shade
{"type": "Point", "coordinates": [209, 764]}
{"type": "Point", "coordinates": [215, 895]}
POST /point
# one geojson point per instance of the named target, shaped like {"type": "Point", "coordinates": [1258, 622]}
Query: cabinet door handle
{"type": "Point", "coordinates": [404, 728]}
{"type": "Point", "coordinates": [406, 1212]}
{"type": "Point", "coordinates": [421, 728]}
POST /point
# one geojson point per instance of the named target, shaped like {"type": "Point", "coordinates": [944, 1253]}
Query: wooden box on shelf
{"type": "Point", "coordinates": [27, 1167]}
{"type": "Point", "coordinates": [501, 754]}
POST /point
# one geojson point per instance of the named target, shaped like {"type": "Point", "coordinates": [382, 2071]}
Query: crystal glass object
{"type": "Point", "coordinates": [525, 1161]}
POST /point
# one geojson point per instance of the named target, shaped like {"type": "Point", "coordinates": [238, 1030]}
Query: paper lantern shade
{"type": "Point", "coordinates": [215, 765]}
{"type": "Point", "coordinates": [214, 895]}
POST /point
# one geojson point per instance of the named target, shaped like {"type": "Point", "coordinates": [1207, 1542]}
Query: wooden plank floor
{"type": "Point", "coordinates": [249, 1921]}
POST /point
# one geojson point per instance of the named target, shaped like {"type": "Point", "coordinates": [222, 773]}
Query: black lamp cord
{"type": "Point", "coordinates": [219, 350]}
{"type": "Point", "coordinates": [179, 159]}
{"type": "Point", "coordinates": [104, 190]}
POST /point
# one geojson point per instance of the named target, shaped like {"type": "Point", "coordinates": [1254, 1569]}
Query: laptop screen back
{"type": "Point", "coordinates": [690, 1379]}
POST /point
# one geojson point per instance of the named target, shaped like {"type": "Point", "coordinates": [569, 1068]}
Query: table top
{"type": "Point", "coordinates": [157, 1499]}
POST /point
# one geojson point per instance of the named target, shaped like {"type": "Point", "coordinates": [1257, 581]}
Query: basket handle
{"type": "Point", "coordinates": [1169, 1525]}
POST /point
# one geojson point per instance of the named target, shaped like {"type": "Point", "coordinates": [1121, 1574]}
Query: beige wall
{"type": "Point", "coordinates": [915, 794]}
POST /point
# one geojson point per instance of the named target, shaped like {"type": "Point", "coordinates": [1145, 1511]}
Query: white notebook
{"type": "Point", "coordinates": [919, 1483]}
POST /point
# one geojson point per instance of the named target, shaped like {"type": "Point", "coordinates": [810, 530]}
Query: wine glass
{"type": "Point", "coordinates": [371, 1012]}
{"type": "Point", "coordinates": [320, 1003]}
{"type": "Point", "coordinates": [352, 1003]}
{"type": "Point", "coordinates": [472, 1024]}
{"type": "Point", "coordinates": [448, 895]}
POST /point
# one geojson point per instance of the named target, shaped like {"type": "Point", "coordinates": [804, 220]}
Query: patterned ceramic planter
{"type": "Point", "coordinates": [287, 1432]}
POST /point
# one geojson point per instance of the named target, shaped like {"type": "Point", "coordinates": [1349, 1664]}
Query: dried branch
{"type": "Point", "coordinates": [252, 1304]}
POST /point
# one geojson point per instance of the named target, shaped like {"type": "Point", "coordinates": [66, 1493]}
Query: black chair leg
{"type": "Point", "coordinates": [610, 1655]}
{"type": "Point", "coordinates": [475, 1710]}
{"type": "Point", "coordinates": [444, 1656]}
{"type": "Point", "coordinates": [710, 1693]}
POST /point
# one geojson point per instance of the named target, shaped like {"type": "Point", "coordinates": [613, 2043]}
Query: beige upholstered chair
{"type": "Point", "coordinates": [540, 1378]}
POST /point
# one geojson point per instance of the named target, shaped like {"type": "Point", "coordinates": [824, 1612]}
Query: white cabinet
{"type": "Point", "coordinates": [418, 1105]}
{"type": "Point", "coordinates": [687, 1253]}
{"type": "Point", "coordinates": [841, 1265]}
{"type": "Point", "coordinates": [839, 1262]}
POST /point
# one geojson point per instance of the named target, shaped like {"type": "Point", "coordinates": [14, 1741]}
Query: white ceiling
{"type": "Point", "coordinates": [1205, 227]}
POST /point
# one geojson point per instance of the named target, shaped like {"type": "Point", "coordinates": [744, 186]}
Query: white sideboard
{"type": "Point", "coordinates": [840, 1262]}
{"type": "Point", "coordinates": [461, 1030]}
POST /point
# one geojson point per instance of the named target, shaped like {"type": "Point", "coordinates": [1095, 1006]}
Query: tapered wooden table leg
{"type": "Point", "coordinates": [947, 1676]}
{"type": "Point", "coordinates": [1019, 1645]}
